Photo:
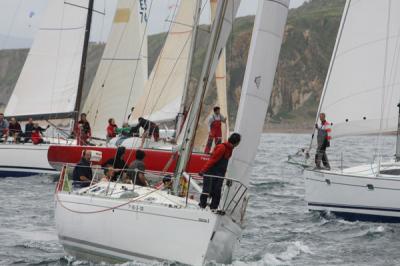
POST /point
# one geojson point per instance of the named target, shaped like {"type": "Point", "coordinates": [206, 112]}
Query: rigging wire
{"type": "Point", "coordinates": [379, 140]}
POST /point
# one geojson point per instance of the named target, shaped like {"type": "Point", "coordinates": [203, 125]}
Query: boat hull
{"type": "Point", "coordinates": [354, 196]}
{"type": "Point", "coordinates": [19, 160]}
{"type": "Point", "coordinates": [140, 231]}
{"type": "Point", "coordinates": [155, 160]}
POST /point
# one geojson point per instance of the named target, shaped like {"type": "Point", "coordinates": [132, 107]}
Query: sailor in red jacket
{"type": "Point", "coordinates": [217, 166]}
{"type": "Point", "coordinates": [111, 129]}
{"type": "Point", "coordinates": [215, 129]}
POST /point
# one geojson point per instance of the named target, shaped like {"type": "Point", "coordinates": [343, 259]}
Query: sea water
{"type": "Point", "coordinates": [279, 228]}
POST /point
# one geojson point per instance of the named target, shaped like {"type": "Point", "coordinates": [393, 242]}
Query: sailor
{"type": "Point", "coordinates": [137, 169]}
{"type": "Point", "coordinates": [14, 129]}
{"type": "Point", "coordinates": [123, 133]}
{"type": "Point", "coordinates": [150, 129]}
{"type": "Point", "coordinates": [111, 129]}
{"type": "Point", "coordinates": [37, 133]}
{"type": "Point", "coordinates": [82, 174]}
{"type": "Point", "coordinates": [3, 127]}
{"type": "Point", "coordinates": [28, 130]}
{"type": "Point", "coordinates": [83, 131]}
{"type": "Point", "coordinates": [323, 141]}
{"type": "Point", "coordinates": [214, 171]}
{"type": "Point", "coordinates": [117, 163]}
{"type": "Point", "coordinates": [214, 129]}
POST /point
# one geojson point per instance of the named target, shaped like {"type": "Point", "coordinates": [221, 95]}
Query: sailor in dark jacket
{"type": "Point", "coordinates": [82, 174]}
{"type": "Point", "coordinates": [217, 166]}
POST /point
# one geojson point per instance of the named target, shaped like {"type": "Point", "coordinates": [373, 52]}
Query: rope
{"type": "Point", "coordinates": [106, 209]}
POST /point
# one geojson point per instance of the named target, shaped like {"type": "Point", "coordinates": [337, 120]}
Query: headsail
{"type": "Point", "coordinates": [258, 81]}
{"type": "Point", "coordinates": [161, 100]}
{"type": "Point", "coordinates": [48, 83]}
{"type": "Point", "coordinates": [220, 30]}
{"type": "Point", "coordinates": [122, 73]}
{"type": "Point", "coordinates": [362, 88]}
{"type": "Point", "coordinates": [220, 80]}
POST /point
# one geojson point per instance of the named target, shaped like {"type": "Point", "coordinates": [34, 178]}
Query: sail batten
{"type": "Point", "coordinates": [363, 85]}
{"type": "Point", "coordinates": [49, 79]}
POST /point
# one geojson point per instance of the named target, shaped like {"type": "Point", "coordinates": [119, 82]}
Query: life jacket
{"type": "Point", "coordinates": [328, 129]}
{"type": "Point", "coordinates": [36, 137]}
{"type": "Point", "coordinates": [216, 127]}
{"type": "Point", "coordinates": [220, 167]}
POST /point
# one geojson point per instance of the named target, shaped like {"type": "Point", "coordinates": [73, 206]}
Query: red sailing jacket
{"type": "Point", "coordinates": [221, 151]}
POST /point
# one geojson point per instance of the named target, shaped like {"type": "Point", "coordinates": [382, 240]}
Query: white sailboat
{"type": "Point", "coordinates": [361, 96]}
{"type": "Point", "coordinates": [120, 222]}
{"type": "Point", "coordinates": [50, 83]}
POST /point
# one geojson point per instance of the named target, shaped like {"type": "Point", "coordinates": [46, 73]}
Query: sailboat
{"type": "Point", "coordinates": [161, 98]}
{"type": "Point", "coordinates": [113, 221]}
{"type": "Point", "coordinates": [50, 85]}
{"type": "Point", "coordinates": [361, 96]}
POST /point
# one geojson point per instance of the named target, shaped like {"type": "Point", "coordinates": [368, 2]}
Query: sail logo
{"type": "Point", "coordinates": [257, 81]}
{"type": "Point", "coordinates": [143, 11]}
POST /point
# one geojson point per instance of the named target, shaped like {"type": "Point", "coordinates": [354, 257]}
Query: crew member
{"type": "Point", "coordinates": [28, 130]}
{"type": "Point", "coordinates": [37, 133]}
{"type": "Point", "coordinates": [3, 127]}
{"type": "Point", "coordinates": [323, 141]}
{"type": "Point", "coordinates": [83, 131]}
{"type": "Point", "coordinates": [82, 174]}
{"type": "Point", "coordinates": [137, 169]}
{"type": "Point", "coordinates": [117, 163]}
{"type": "Point", "coordinates": [150, 129]}
{"type": "Point", "coordinates": [214, 171]}
{"type": "Point", "coordinates": [214, 129]}
{"type": "Point", "coordinates": [111, 129]}
{"type": "Point", "coordinates": [14, 129]}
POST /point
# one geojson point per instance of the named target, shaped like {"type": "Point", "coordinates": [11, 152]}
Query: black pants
{"type": "Point", "coordinates": [321, 156]}
{"type": "Point", "coordinates": [212, 187]}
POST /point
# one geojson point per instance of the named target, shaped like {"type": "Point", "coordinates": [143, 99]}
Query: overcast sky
{"type": "Point", "coordinates": [20, 18]}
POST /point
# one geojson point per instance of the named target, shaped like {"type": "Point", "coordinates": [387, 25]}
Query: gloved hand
{"type": "Point", "coordinates": [316, 126]}
{"type": "Point", "coordinates": [229, 183]}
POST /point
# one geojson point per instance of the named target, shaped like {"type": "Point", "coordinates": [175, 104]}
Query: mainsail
{"type": "Point", "coordinates": [258, 81]}
{"type": "Point", "coordinates": [362, 88]}
{"type": "Point", "coordinates": [162, 97]}
{"type": "Point", "coordinates": [122, 73]}
{"type": "Point", "coordinates": [48, 84]}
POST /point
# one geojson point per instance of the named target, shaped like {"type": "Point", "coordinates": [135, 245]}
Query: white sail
{"type": "Point", "coordinates": [220, 31]}
{"type": "Point", "coordinates": [258, 81]}
{"type": "Point", "coordinates": [161, 100]}
{"type": "Point", "coordinates": [362, 88]}
{"type": "Point", "coordinates": [220, 80]}
{"type": "Point", "coordinates": [48, 82]}
{"type": "Point", "coordinates": [122, 73]}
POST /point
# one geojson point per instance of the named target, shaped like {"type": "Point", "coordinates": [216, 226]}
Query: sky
{"type": "Point", "coordinates": [19, 19]}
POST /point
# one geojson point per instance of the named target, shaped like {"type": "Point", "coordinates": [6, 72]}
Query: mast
{"type": "Point", "coordinates": [83, 61]}
{"type": "Point", "coordinates": [182, 109]}
{"type": "Point", "coordinates": [398, 137]}
{"type": "Point", "coordinates": [219, 34]}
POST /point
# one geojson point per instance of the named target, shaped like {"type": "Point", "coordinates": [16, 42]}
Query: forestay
{"type": "Point", "coordinates": [122, 73]}
{"type": "Point", "coordinates": [362, 88]}
{"type": "Point", "coordinates": [258, 81]}
{"type": "Point", "coordinates": [162, 97]}
{"type": "Point", "coordinates": [48, 82]}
